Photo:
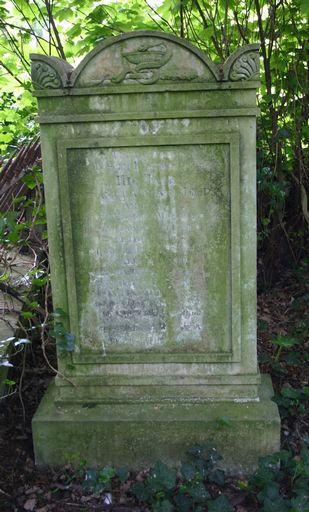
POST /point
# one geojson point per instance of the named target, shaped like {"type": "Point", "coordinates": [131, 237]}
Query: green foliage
{"type": "Point", "coordinates": [288, 350]}
{"type": "Point", "coordinates": [219, 504]}
{"type": "Point", "coordinates": [162, 491]}
{"type": "Point", "coordinates": [65, 339]}
{"type": "Point", "coordinates": [20, 224]}
{"type": "Point", "coordinates": [280, 483]}
{"type": "Point", "coordinates": [157, 487]}
{"type": "Point", "coordinates": [100, 481]}
{"type": "Point", "coordinates": [275, 470]}
{"type": "Point", "coordinates": [23, 227]}
{"type": "Point", "coordinates": [284, 342]}
{"type": "Point", "coordinates": [292, 401]}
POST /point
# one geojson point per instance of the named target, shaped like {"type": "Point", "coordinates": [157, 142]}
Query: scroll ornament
{"type": "Point", "coordinates": [44, 76]}
{"type": "Point", "coordinates": [246, 67]}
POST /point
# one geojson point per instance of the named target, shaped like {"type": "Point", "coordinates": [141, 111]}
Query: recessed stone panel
{"type": "Point", "coordinates": [151, 237]}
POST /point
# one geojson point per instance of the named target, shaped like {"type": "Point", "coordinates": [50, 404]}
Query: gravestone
{"type": "Point", "coordinates": [149, 162]}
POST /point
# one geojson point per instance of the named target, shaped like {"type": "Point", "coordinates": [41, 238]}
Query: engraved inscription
{"type": "Point", "coordinates": [145, 234]}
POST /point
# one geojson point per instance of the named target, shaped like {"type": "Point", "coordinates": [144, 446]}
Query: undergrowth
{"type": "Point", "coordinates": [280, 484]}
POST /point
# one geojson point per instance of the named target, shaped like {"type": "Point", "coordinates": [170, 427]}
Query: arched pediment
{"type": "Point", "coordinates": [145, 58]}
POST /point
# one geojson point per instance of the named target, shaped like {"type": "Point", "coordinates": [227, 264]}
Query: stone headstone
{"type": "Point", "coordinates": [149, 160]}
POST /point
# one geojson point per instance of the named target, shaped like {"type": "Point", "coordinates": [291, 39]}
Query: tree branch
{"type": "Point", "coordinates": [161, 17]}
{"type": "Point", "coordinates": [55, 30]}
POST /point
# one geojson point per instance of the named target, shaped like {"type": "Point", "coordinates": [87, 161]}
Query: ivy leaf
{"type": "Point", "coordinates": [140, 491]}
{"type": "Point", "coordinates": [162, 506]}
{"type": "Point", "coordinates": [300, 502]}
{"type": "Point", "coordinates": [10, 219]}
{"type": "Point", "coordinates": [270, 491]}
{"type": "Point", "coordinates": [59, 313]}
{"type": "Point", "coordinates": [302, 468]}
{"type": "Point", "coordinates": [58, 331]}
{"type": "Point", "coordinates": [122, 474]}
{"type": "Point", "coordinates": [188, 471]}
{"type": "Point", "coordinates": [292, 393]}
{"type": "Point", "coordinates": [220, 504]}
{"type": "Point", "coordinates": [218, 477]}
{"type": "Point", "coordinates": [90, 479]}
{"type": "Point", "coordinates": [9, 382]}
{"type": "Point", "coordinates": [213, 455]}
{"type": "Point", "coordinates": [163, 476]}
{"type": "Point", "coordinates": [39, 281]}
{"type": "Point", "coordinates": [275, 505]}
{"type": "Point", "coordinates": [27, 314]}
{"type": "Point", "coordinates": [285, 341]}
{"type": "Point", "coordinates": [70, 342]}
{"type": "Point", "coordinates": [199, 492]}
{"type": "Point", "coordinates": [196, 450]}
{"type": "Point", "coordinates": [106, 474]}
{"type": "Point", "coordinates": [183, 503]}
{"type": "Point", "coordinates": [293, 359]}
{"type": "Point", "coordinates": [30, 181]}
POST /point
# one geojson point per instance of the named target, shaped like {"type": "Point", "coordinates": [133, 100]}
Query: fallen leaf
{"type": "Point", "coordinates": [30, 504]}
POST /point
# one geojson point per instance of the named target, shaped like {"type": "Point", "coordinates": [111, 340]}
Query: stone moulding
{"type": "Point", "coordinates": [90, 118]}
{"type": "Point", "coordinates": [135, 435]}
{"type": "Point", "coordinates": [147, 58]}
{"type": "Point", "coordinates": [49, 72]}
{"type": "Point", "coordinates": [232, 353]}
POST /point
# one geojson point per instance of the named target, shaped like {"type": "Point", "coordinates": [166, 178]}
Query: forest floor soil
{"type": "Point", "coordinates": [282, 312]}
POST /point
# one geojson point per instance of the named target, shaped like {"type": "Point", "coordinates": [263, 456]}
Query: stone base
{"type": "Point", "coordinates": [135, 435]}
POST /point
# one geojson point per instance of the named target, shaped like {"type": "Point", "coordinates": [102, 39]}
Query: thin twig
{"type": "Point", "coordinates": [161, 17]}
{"type": "Point", "coordinates": [15, 48]}
{"type": "Point", "coordinates": [5, 493]}
{"type": "Point", "coordinates": [27, 30]}
{"type": "Point", "coordinates": [21, 385]}
{"type": "Point", "coordinates": [11, 73]}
